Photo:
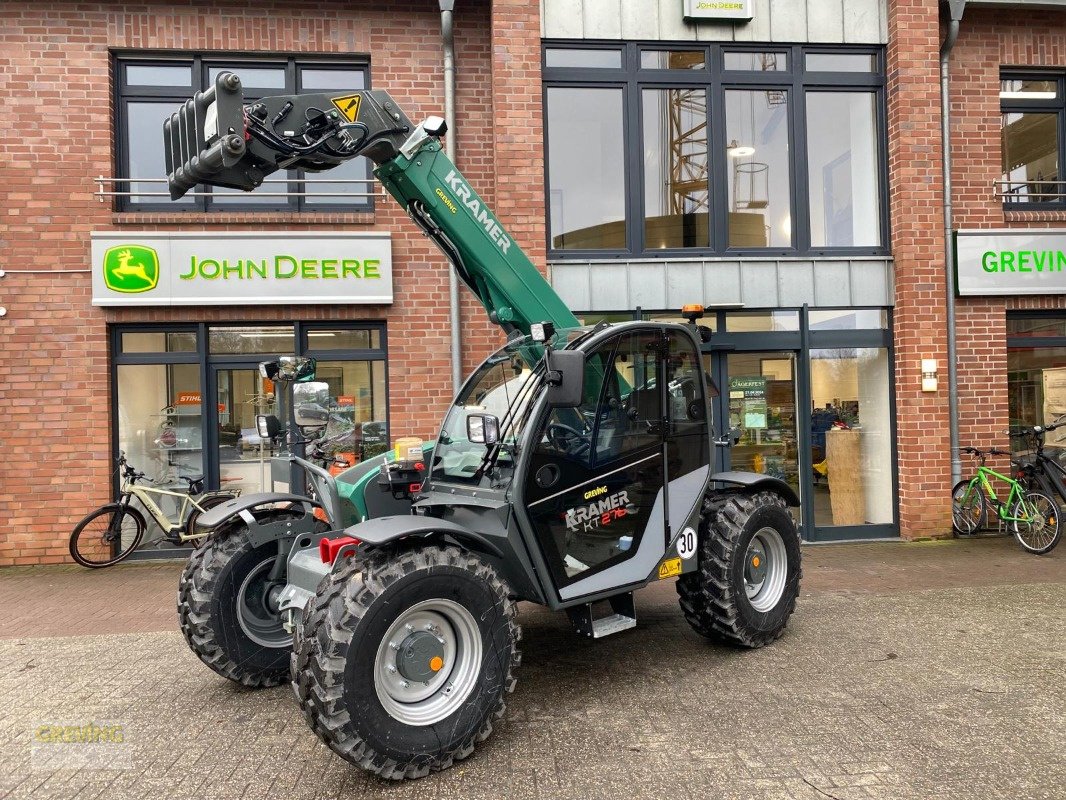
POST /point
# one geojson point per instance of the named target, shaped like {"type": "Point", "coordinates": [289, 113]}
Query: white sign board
{"type": "Point", "coordinates": [154, 268]}
{"type": "Point", "coordinates": [718, 9]}
{"type": "Point", "coordinates": [1000, 262]}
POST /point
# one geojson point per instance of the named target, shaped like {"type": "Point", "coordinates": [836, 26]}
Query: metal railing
{"type": "Point", "coordinates": [103, 192]}
{"type": "Point", "coordinates": [1042, 190]}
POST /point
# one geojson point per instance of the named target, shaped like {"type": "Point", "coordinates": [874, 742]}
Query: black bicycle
{"type": "Point", "coordinates": [1039, 471]}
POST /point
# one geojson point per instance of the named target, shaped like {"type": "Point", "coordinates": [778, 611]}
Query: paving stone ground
{"type": "Point", "coordinates": [926, 670]}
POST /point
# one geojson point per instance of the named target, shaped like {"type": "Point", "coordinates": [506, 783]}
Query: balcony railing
{"type": "Point", "coordinates": [1020, 193]}
{"type": "Point", "coordinates": [109, 187]}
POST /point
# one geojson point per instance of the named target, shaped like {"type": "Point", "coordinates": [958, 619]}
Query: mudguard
{"type": "Point", "coordinates": [755, 482]}
{"type": "Point", "coordinates": [212, 518]}
{"type": "Point", "coordinates": [383, 530]}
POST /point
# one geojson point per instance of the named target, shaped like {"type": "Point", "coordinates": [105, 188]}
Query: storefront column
{"type": "Point", "coordinates": [916, 198]}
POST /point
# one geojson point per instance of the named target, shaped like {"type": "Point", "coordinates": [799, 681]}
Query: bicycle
{"type": "Point", "coordinates": [110, 533]}
{"type": "Point", "coordinates": [1033, 516]}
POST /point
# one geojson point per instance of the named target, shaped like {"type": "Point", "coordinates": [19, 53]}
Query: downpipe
{"type": "Point", "coordinates": [955, 8]}
{"type": "Point", "coordinates": [448, 42]}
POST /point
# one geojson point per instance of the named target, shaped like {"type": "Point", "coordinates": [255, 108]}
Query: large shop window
{"type": "Point", "coordinates": [1036, 374]}
{"type": "Point", "coordinates": [149, 88]}
{"type": "Point", "coordinates": [718, 149]}
{"type": "Point", "coordinates": [1032, 108]}
{"type": "Point", "coordinates": [186, 398]}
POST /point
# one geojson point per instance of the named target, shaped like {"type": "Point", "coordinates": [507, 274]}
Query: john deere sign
{"type": "Point", "coordinates": [739, 10]}
{"type": "Point", "coordinates": [999, 262]}
{"type": "Point", "coordinates": [276, 267]}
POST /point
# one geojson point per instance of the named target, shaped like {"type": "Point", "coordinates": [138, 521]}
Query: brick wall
{"type": "Point", "coordinates": [989, 40]}
{"type": "Point", "coordinates": [56, 87]}
{"type": "Point", "coordinates": [916, 195]}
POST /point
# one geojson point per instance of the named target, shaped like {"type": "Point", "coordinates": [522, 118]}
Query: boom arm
{"type": "Point", "coordinates": [216, 139]}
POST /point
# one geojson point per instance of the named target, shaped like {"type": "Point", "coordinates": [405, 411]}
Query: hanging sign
{"type": "Point", "coordinates": [696, 10]}
{"type": "Point", "coordinates": [747, 401]}
{"type": "Point", "coordinates": [1001, 262]}
{"type": "Point", "coordinates": [239, 268]}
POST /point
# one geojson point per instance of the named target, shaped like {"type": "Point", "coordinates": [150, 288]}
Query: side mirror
{"type": "Point", "coordinates": [566, 378]}
{"type": "Point", "coordinates": [267, 425]}
{"type": "Point", "coordinates": [483, 428]}
{"type": "Point", "coordinates": [310, 404]}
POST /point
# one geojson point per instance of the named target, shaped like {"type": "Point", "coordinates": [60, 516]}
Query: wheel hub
{"type": "Point", "coordinates": [421, 657]}
{"type": "Point", "coordinates": [757, 564]}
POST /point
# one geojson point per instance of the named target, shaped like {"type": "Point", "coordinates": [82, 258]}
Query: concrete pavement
{"type": "Point", "coordinates": [927, 670]}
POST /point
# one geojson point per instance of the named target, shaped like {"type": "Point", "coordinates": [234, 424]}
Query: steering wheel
{"type": "Point", "coordinates": [569, 440]}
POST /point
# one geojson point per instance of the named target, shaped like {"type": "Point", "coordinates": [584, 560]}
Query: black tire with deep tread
{"type": "Point", "coordinates": [713, 598]}
{"type": "Point", "coordinates": [208, 614]}
{"type": "Point", "coordinates": [329, 636]}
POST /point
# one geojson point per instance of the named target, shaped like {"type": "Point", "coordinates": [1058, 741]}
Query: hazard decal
{"type": "Point", "coordinates": [348, 105]}
{"type": "Point", "coordinates": [670, 568]}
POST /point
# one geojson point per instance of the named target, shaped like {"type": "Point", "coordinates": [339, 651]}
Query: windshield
{"type": "Point", "coordinates": [505, 386]}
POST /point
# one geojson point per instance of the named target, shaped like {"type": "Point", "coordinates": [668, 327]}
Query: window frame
{"type": "Point", "coordinates": [1058, 106]}
{"type": "Point", "coordinates": [715, 80]}
{"type": "Point", "coordinates": [200, 64]}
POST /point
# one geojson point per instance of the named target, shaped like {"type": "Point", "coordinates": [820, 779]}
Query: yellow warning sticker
{"type": "Point", "coordinates": [348, 105]}
{"type": "Point", "coordinates": [670, 568]}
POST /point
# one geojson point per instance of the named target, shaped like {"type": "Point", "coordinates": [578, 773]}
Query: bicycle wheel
{"type": "Point", "coordinates": [968, 508]}
{"type": "Point", "coordinates": [97, 541]}
{"type": "Point", "coordinates": [207, 503]}
{"type": "Point", "coordinates": [1040, 532]}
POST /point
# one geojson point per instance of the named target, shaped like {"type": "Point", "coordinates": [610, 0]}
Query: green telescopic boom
{"type": "Point", "coordinates": [218, 140]}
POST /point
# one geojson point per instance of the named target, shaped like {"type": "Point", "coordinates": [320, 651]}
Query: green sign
{"type": "Point", "coordinates": [747, 401]}
{"type": "Point", "coordinates": [163, 268]}
{"type": "Point", "coordinates": [131, 268]}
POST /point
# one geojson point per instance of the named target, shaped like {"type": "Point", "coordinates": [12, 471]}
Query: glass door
{"type": "Point", "coordinates": [243, 456]}
{"type": "Point", "coordinates": [758, 400]}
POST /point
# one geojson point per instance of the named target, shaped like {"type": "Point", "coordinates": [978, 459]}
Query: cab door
{"type": "Point", "coordinates": [595, 487]}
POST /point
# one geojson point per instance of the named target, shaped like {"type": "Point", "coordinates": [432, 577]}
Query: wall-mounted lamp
{"type": "Point", "coordinates": [928, 374]}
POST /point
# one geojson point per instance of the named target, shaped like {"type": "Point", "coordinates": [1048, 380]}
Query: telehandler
{"type": "Point", "coordinates": [573, 468]}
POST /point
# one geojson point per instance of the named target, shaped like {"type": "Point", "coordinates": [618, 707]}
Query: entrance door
{"type": "Point", "coordinates": [594, 488]}
{"type": "Point", "coordinates": [758, 399]}
{"type": "Point", "coordinates": [243, 457]}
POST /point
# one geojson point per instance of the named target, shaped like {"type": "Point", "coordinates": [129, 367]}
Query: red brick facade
{"type": "Point", "coordinates": [55, 65]}
{"type": "Point", "coordinates": [56, 83]}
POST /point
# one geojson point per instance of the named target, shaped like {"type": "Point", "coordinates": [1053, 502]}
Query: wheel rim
{"type": "Point", "coordinates": [765, 569]}
{"type": "Point", "coordinates": [1039, 532]}
{"type": "Point", "coordinates": [257, 608]}
{"type": "Point", "coordinates": [428, 662]}
{"type": "Point", "coordinates": [96, 541]}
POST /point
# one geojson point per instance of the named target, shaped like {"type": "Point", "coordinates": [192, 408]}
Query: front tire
{"type": "Point", "coordinates": [749, 572]}
{"type": "Point", "coordinates": [226, 613]}
{"type": "Point", "coordinates": [93, 541]}
{"type": "Point", "coordinates": [403, 659]}
{"type": "Point", "coordinates": [969, 511]}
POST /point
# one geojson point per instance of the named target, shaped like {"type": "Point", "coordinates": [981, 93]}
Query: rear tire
{"type": "Point", "coordinates": [969, 511]}
{"type": "Point", "coordinates": [1042, 534]}
{"type": "Point", "coordinates": [407, 710]}
{"type": "Point", "coordinates": [90, 545]}
{"type": "Point", "coordinates": [749, 572]}
{"type": "Point", "coordinates": [225, 612]}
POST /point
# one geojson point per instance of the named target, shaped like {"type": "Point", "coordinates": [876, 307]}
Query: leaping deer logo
{"type": "Point", "coordinates": [131, 268]}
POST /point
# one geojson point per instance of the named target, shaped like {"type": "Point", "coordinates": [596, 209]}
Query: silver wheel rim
{"type": "Point", "coordinates": [966, 512]}
{"type": "Point", "coordinates": [458, 638]}
{"type": "Point", "coordinates": [1040, 531]}
{"type": "Point", "coordinates": [765, 569]}
{"type": "Point", "coordinates": [256, 619]}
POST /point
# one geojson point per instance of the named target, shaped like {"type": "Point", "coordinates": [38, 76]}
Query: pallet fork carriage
{"type": "Point", "coordinates": [572, 468]}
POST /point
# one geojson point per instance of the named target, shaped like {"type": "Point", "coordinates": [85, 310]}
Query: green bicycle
{"type": "Point", "coordinates": [1033, 516]}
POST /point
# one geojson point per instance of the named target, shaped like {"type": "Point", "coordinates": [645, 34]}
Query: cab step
{"type": "Point", "coordinates": [622, 618]}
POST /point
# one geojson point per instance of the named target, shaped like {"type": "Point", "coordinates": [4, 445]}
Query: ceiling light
{"type": "Point", "coordinates": [736, 150]}
{"type": "Point", "coordinates": [1024, 95]}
